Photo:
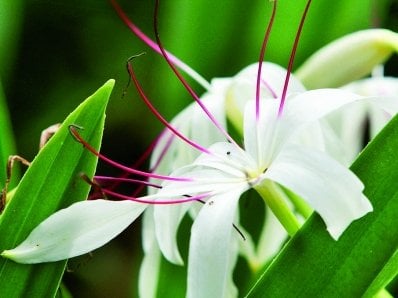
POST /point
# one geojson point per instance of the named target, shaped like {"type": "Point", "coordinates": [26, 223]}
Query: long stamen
{"type": "Point", "coordinates": [158, 160]}
{"type": "Point", "coordinates": [186, 199]}
{"type": "Point", "coordinates": [163, 151]}
{"type": "Point", "coordinates": [261, 58]}
{"type": "Point", "coordinates": [270, 89]}
{"type": "Point", "coordinates": [78, 137]}
{"type": "Point", "coordinates": [184, 67]}
{"type": "Point", "coordinates": [126, 180]}
{"type": "Point", "coordinates": [184, 82]}
{"type": "Point", "coordinates": [292, 56]}
{"type": "Point", "coordinates": [148, 151]}
{"type": "Point", "coordinates": [158, 115]}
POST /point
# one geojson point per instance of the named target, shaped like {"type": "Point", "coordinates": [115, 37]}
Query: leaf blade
{"type": "Point", "coordinates": [50, 183]}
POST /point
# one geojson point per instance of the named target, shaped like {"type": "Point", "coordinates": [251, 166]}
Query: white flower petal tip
{"type": "Point", "coordinates": [76, 230]}
{"type": "Point", "coordinates": [336, 231]}
{"type": "Point", "coordinates": [7, 254]}
{"type": "Point", "coordinates": [332, 190]}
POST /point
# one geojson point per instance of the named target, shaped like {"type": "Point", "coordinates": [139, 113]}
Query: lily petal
{"type": "Point", "coordinates": [202, 130]}
{"type": "Point", "coordinates": [261, 135]}
{"type": "Point", "coordinates": [76, 230]}
{"type": "Point", "coordinates": [167, 221]}
{"type": "Point", "coordinates": [243, 85]}
{"type": "Point", "coordinates": [331, 189]}
{"type": "Point", "coordinates": [209, 255]}
{"type": "Point", "coordinates": [312, 105]}
{"type": "Point", "coordinates": [149, 269]}
{"type": "Point", "coordinates": [349, 126]}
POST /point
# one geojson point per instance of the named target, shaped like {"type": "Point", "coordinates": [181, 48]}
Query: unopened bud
{"type": "Point", "coordinates": [348, 58]}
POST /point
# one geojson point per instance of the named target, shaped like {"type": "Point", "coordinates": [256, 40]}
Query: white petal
{"type": "Point", "coordinates": [227, 158]}
{"type": "Point", "coordinates": [179, 153]}
{"type": "Point", "coordinates": [262, 137]}
{"type": "Point", "coordinates": [206, 180]}
{"type": "Point", "coordinates": [76, 230]}
{"type": "Point", "coordinates": [167, 221]}
{"type": "Point", "coordinates": [378, 118]}
{"type": "Point", "coordinates": [243, 86]}
{"type": "Point", "coordinates": [209, 253]}
{"type": "Point", "coordinates": [381, 110]}
{"type": "Point", "coordinates": [202, 129]}
{"type": "Point", "coordinates": [312, 105]}
{"type": "Point", "coordinates": [307, 107]}
{"type": "Point", "coordinates": [272, 131]}
{"type": "Point", "coordinates": [332, 190]}
{"type": "Point", "coordinates": [149, 269]}
{"type": "Point", "coordinates": [349, 126]}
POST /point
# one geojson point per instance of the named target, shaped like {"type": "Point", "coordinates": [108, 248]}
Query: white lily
{"type": "Point", "coordinates": [219, 176]}
{"type": "Point", "coordinates": [227, 94]}
{"type": "Point", "coordinates": [224, 95]}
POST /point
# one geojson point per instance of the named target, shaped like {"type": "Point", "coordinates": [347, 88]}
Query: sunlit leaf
{"type": "Point", "coordinates": [51, 182]}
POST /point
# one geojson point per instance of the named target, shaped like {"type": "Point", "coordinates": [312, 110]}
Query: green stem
{"type": "Point", "coordinates": [299, 204]}
{"type": "Point", "coordinates": [273, 197]}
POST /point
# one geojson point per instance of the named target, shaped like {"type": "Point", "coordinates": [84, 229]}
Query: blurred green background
{"type": "Point", "coordinates": [53, 54]}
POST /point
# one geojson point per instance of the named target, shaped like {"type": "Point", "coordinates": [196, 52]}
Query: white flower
{"type": "Point", "coordinates": [226, 95]}
{"type": "Point", "coordinates": [219, 177]}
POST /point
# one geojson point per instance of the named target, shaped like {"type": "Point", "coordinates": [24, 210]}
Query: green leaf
{"type": "Point", "coordinates": [364, 259]}
{"type": "Point", "coordinates": [52, 182]}
{"type": "Point", "coordinates": [7, 146]}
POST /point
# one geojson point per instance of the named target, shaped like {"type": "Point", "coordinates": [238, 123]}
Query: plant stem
{"type": "Point", "coordinates": [273, 197]}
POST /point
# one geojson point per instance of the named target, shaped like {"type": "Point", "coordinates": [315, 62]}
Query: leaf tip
{"type": "Point", "coordinates": [109, 84]}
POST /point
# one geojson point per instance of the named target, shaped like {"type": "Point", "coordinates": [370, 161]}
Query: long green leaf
{"type": "Point", "coordinates": [364, 259]}
{"type": "Point", "coordinates": [51, 182]}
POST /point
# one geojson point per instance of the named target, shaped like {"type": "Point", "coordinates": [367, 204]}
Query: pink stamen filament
{"type": "Point", "coordinates": [148, 151]}
{"type": "Point", "coordinates": [261, 58]}
{"type": "Point", "coordinates": [184, 82]}
{"type": "Point", "coordinates": [163, 151]}
{"type": "Point", "coordinates": [156, 48]}
{"type": "Point", "coordinates": [158, 160]}
{"type": "Point", "coordinates": [270, 89]}
{"type": "Point", "coordinates": [156, 202]}
{"type": "Point", "coordinates": [159, 116]}
{"type": "Point", "coordinates": [292, 56]}
{"type": "Point", "coordinates": [77, 136]}
{"type": "Point", "coordinates": [126, 180]}
{"type": "Point", "coordinates": [144, 157]}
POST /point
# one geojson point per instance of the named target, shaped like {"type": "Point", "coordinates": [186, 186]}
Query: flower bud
{"type": "Point", "coordinates": [348, 58]}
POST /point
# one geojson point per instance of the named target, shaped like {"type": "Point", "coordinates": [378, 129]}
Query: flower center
{"type": "Point", "coordinates": [254, 176]}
